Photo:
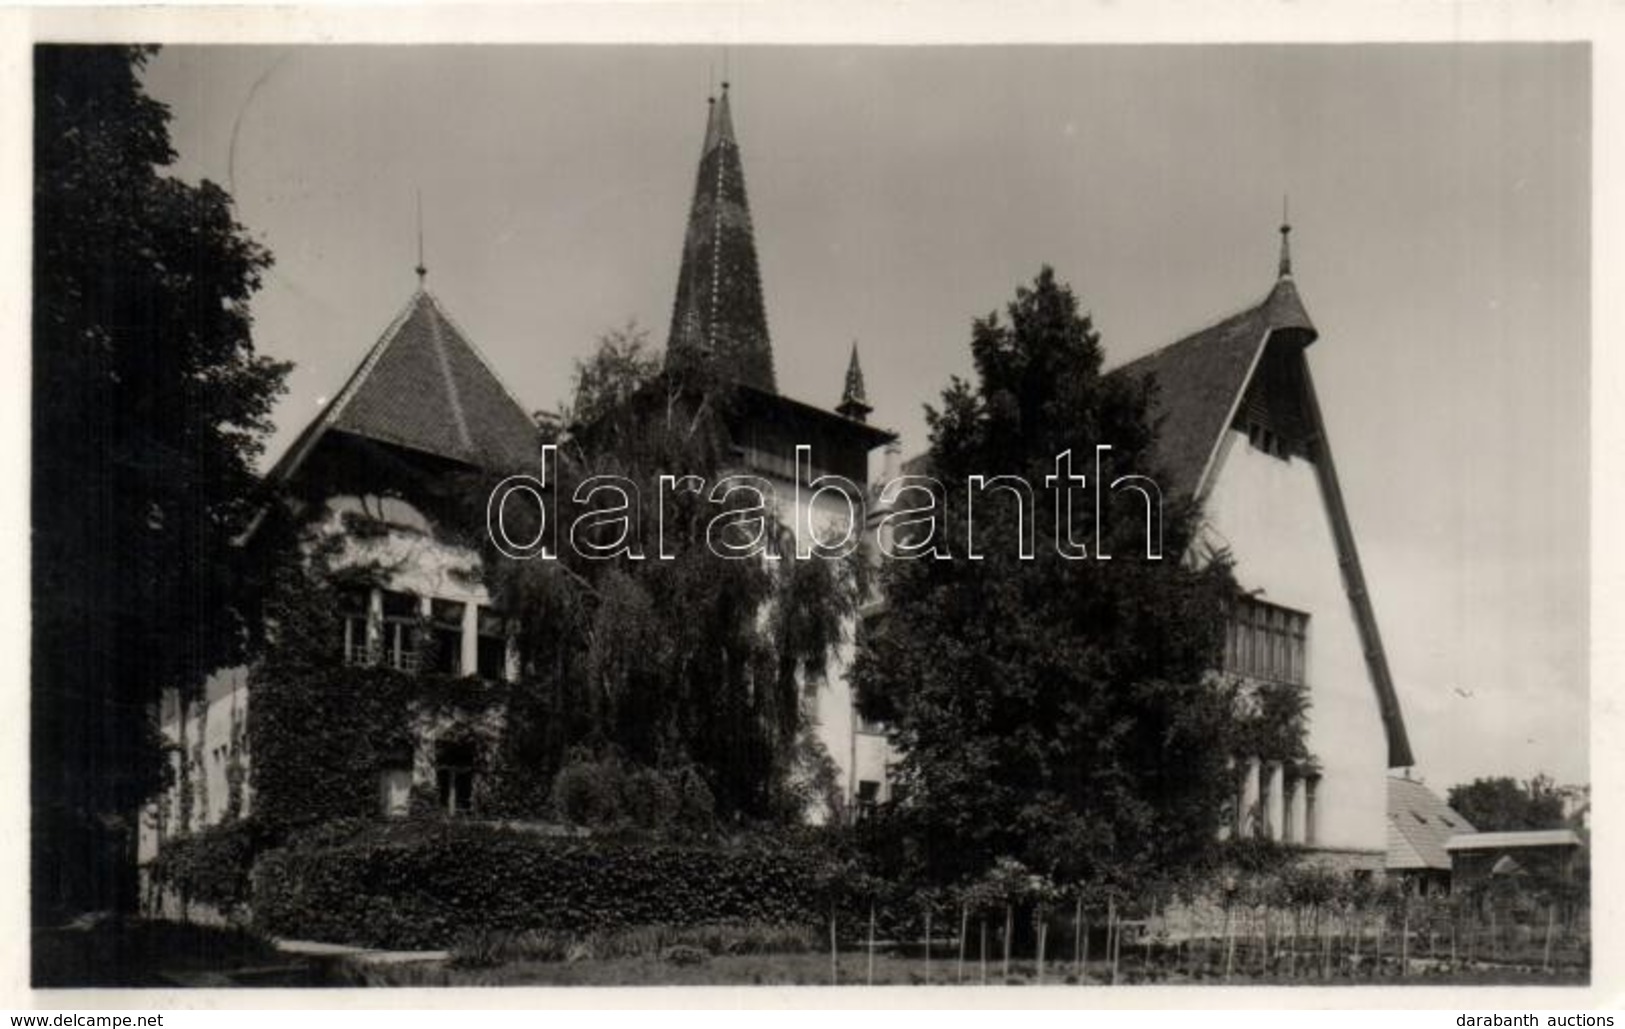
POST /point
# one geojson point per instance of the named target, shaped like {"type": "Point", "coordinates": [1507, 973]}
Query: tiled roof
{"type": "Point", "coordinates": [1420, 825]}
{"type": "Point", "coordinates": [718, 316]}
{"type": "Point", "coordinates": [1201, 378]}
{"type": "Point", "coordinates": [424, 386]}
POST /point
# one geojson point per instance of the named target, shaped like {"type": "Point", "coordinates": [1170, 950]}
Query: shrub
{"type": "Point", "coordinates": [649, 799]}
{"type": "Point", "coordinates": [213, 864]}
{"type": "Point", "coordinates": [605, 793]}
{"type": "Point", "coordinates": [589, 793]}
{"type": "Point", "coordinates": [481, 949]}
{"type": "Point", "coordinates": [486, 949]}
{"type": "Point", "coordinates": [421, 885]}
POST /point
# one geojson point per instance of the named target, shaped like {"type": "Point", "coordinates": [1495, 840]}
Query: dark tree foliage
{"type": "Point", "coordinates": [688, 660]}
{"type": "Point", "coordinates": [150, 405]}
{"type": "Point", "coordinates": [1503, 804]}
{"type": "Point", "coordinates": [1051, 710]}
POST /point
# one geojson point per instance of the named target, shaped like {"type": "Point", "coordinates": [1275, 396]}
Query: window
{"type": "Point", "coordinates": [1264, 641]}
{"type": "Point", "coordinates": [354, 609]}
{"type": "Point", "coordinates": [400, 640]}
{"type": "Point", "coordinates": [491, 658]}
{"type": "Point", "coordinates": [454, 776]}
{"type": "Point", "coordinates": [446, 630]}
{"type": "Point", "coordinates": [871, 726]}
{"type": "Point", "coordinates": [812, 683]}
{"type": "Point", "coordinates": [868, 797]}
{"type": "Point", "coordinates": [1267, 440]}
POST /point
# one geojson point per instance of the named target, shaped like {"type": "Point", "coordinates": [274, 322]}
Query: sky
{"type": "Point", "coordinates": [1439, 196]}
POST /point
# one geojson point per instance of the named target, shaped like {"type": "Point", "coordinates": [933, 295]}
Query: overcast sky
{"type": "Point", "coordinates": [1440, 198]}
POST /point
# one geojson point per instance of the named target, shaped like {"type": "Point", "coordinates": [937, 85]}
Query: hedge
{"type": "Point", "coordinates": [213, 864]}
{"type": "Point", "coordinates": [425, 885]}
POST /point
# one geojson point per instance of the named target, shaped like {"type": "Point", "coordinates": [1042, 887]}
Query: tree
{"type": "Point", "coordinates": [680, 658]}
{"type": "Point", "coordinates": [150, 408]}
{"type": "Point", "coordinates": [622, 364]}
{"type": "Point", "coordinates": [1056, 711]}
{"type": "Point", "coordinates": [1503, 804]}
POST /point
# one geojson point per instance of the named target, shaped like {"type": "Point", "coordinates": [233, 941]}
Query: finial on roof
{"type": "Point", "coordinates": [421, 269]}
{"type": "Point", "coordinates": [854, 403]}
{"type": "Point", "coordinates": [1284, 270]}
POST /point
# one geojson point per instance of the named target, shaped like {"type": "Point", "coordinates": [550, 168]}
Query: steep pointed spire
{"type": "Point", "coordinates": [854, 402]}
{"type": "Point", "coordinates": [719, 318]}
{"type": "Point", "coordinates": [1284, 268]}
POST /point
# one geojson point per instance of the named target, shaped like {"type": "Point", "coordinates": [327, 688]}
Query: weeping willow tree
{"type": "Point", "coordinates": [645, 634]}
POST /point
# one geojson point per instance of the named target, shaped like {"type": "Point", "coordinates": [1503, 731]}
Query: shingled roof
{"type": "Point", "coordinates": [1419, 826]}
{"type": "Point", "coordinates": [425, 387]}
{"type": "Point", "coordinates": [1201, 378]}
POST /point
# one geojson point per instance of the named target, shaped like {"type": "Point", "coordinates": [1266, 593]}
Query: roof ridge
{"type": "Point", "coordinates": [306, 441]}
{"type": "Point", "coordinates": [453, 395]}
{"type": "Point", "coordinates": [1203, 329]}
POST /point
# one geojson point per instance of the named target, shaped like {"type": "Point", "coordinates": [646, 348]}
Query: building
{"type": "Point", "coordinates": [1241, 430]}
{"type": "Point", "coordinates": [1540, 855]}
{"type": "Point", "coordinates": [1420, 828]}
{"type": "Point", "coordinates": [370, 473]}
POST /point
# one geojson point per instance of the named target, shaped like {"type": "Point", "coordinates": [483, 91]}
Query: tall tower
{"type": "Point", "coordinates": [719, 319]}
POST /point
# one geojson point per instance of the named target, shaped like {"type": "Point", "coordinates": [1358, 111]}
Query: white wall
{"type": "Point", "coordinates": [1270, 514]}
{"type": "Point", "coordinates": [222, 704]}
{"type": "Point", "coordinates": [857, 755]}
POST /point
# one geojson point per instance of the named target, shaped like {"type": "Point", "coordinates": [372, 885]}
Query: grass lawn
{"type": "Point", "coordinates": [139, 953]}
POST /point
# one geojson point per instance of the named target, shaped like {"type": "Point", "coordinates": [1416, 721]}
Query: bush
{"type": "Point", "coordinates": [604, 793]}
{"type": "Point", "coordinates": [426, 884]}
{"type": "Point", "coordinates": [589, 793]}
{"type": "Point", "coordinates": [485, 949]}
{"type": "Point", "coordinates": [481, 949]}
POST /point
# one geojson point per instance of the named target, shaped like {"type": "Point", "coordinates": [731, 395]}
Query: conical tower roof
{"type": "Point", "coordinates": [424, 386]}
{"type": "Point", "coordinates": [854, 399]}
{"type": "Point", "coordinates": [718, 318]}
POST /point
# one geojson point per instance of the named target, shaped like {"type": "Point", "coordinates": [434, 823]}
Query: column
{"type": "Point", "coordinates": [1249, 800]}
{"type": "Point", "coordinates": [471, 638]}
{"type": "Point", "coordinates": [1291, 801]}
{"type": "Point", "coordinates": [1311, 786]}
{"type": "Point", "coordinates": [1275, 801]}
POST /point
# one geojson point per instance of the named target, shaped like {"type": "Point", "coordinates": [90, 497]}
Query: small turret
{"type": "Point", "coordinates": [854, 403]}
